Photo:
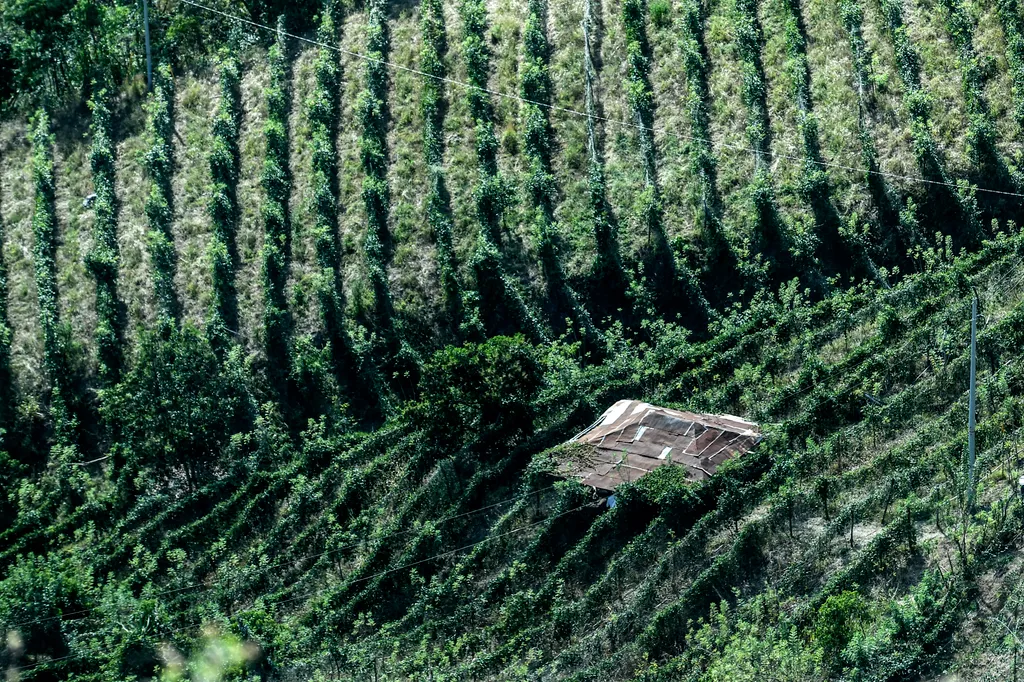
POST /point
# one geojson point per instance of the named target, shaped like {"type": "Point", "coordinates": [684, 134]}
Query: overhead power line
{"type": "Point", "coordinates": [583, 114]}
{"type": "Point", "coordinates": [358, 543]}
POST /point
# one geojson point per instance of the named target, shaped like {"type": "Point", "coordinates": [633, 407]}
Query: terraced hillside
{"type": "Point", "coordinates": [290, 345]}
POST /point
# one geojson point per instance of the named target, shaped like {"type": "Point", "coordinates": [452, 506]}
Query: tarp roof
{"type": "Point", "coordinates": [633, 438]}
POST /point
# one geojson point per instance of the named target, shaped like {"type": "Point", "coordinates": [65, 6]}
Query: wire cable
{"type": "Point", "coordinates": [379, 574]}
{"type": "Point", "coordinates": [280, 564]}
{"type": "Point", "coordinates": [576, 112]}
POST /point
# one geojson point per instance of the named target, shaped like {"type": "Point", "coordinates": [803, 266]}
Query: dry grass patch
{"type": "Point", "coordinates": [252, 147]}
{"type": "Point", "coordinates": [303, 257]}
{"type": "Point", "coordinates": [16, 212]}
{"type": "Point", "coordinates": [76, 289]}
{"type": "Point", "coordinates": [413, 271]}
{"type": "Point", "coordinates": [195, 106]}
{"type": "Point", "coordinates": [571, 161]}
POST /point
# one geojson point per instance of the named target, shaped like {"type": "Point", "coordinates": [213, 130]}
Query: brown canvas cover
{"type": "Point", "coordinates": [633, 438]}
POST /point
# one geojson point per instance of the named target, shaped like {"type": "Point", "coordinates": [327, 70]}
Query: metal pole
{"type": "Point", "coordinates": [970, 405]}
{"type": "Point", "coordinates": [149, 54]}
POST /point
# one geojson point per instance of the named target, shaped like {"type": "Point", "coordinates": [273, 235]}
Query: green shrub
{"type": "Point", "coordinates": [489, 386]}
{"type": "Point", "coordinates": [223, 208]}
{"type": "Point", "coordinates": [433, 62]}
{"type": "Point", "coordinates": [661, 13]}
{"type": "Point", "coordinates": [159, 166]}
{"type": "Point", "coordinates": [102, 262]}
{"type": "Point", "coordinates": [276, 182]}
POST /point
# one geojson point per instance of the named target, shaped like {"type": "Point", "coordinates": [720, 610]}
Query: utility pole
{"type": "Point", "coordinates": [970, 404]}
{"type": "Point", "coordinates": [149, 54]}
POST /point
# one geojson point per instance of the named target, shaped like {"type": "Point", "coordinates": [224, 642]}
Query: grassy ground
{"type": "Point", "coordinates": [252, 149]}
{"type": "Point", "coordinates": [352, 211]}
{"type": "Point", "coordinates": [787, 145]}
{"type": "Point", "coordinates": [990, 44]}
{"type": "Point", "coordinates": [413, 270]}
{"type": "Point", "coordinates": [833, 86]}
{"type": "Point", "coordinates": [668, 76]}
{"type": "Point", "coordinates": [76, 288]}
{"type": "Point", "coordinates": [735, 164]}
{"type": "Point", "coordinates": [303, 258]}
{"type": "Point", "coordinates": [22, 304]}
{"type": "Point", "coordinates": [571, 162]}
{"type": "Point", "coordinates": [195, 105]}
{"type": "Point", "coordinates": [135, 285]}
{"type": "Point", "coordinates": [892, 133]}
{"type": "Point", "coordinates": [623, 161]}
{"type": "Point", "coordinates": [940, 77]}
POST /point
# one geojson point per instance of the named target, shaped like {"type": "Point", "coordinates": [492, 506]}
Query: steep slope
{"type": "Point", "coordinates": [361, 281]}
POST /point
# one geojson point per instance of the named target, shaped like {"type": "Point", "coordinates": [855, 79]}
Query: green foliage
{"type": "Point", "coordinates": [535, 89]}
{"type": "Point", "coordinates": [54, 50]}
{"type": "Point", "coordinates": [716, 255]}
{"type": "Point", "coordinates": [223, 206]}
{"type": "Point", "coordinates": [322, 107]}
{"type": "Point", "coordinates": [502, 307]}
{"type": "Point", "coordinates": [1013, 28]}
{"type": "Point", "coordinates": [433, 62]}
{"type": "Point", "coordinates": [838, 619]}
{"type": "Point", "coordinates": [493, 193]}
{"type": "Point", "coordinates": [947, 196]}
{"type": "Point", "coordinates": [661, 12]}
{"type": "Point", "coordinates": [490, 386]}
{"type": "Point", "coordinates": [159, 164]}
{"type": "Point", "coordinates": [34, 593]}
{"type": "Point", "coordinates": [754, 641]}
{"type": "Point", "coordinates": [103, 261]}
{"type": "Point", "coordinates": [608, 277]}
{"type": "Point", "coordinates": [58, 346]}
{"type": "Point", "coordinates": [398, 360]}
{"type": "Point", "coordinates": [7, 392]}
{"type": "Point", "coordinates": [276, 182]}
{"type": "Point", "coordinates": [439, 546]}
{"type": "Point", "coordinates": [178, 407]}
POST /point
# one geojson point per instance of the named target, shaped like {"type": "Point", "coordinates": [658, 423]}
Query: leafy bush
{"type": "Point", "coordinates": [489, 386]}
{"type": "Point", "coordinates": [103, 261]}
{"type": "Point", "coordinates": [276, 183]}
{"type": "Point", "coordinates": [223, 208]}
{"type": "Point", "coordinates": [433, 62]}
{"type": "Point", "coordinates": [178, 406]}
{"type": "Point", "coordinates": [159, 165]}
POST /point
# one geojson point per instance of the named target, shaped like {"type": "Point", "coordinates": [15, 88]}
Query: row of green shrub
{"type": "Point", "coordinates": [493, 193]}
{"type": "Point", "coordinates": [898, 228]}
{"type": "Point", "coordinates": [433, 63]}
{"type": "Point", "coordinates": [717, 264]}
{"type": "Point", "coordinates": [1013, 29]}
{"type": "Point", "coordinates": [398, 361]}
{"type": "Point", "coordinates": [989, 168]}
{"type": "Point", "coordinates": [503, 308]}
{"type": "Point", "coordinates": [159, 163]}
{"type": "Point", "coordinates": [276, 182]}
{"type": "Point", "coordinates": [948, 196]}
{"type": "Point", "coordinates": [223, 208]}
{"type": "Point", "coordinates": [770, 242]}
{"type": "Point", "coordinates": [103, 260]}
{"type": "Point", "coordinates": [536, 91]}
{"type": "Point", "coordinates": [322, 107]}
{"type": "Point", "coordinates": [608, 277]}
{"type": "Point", "coordinates": [56, 336]}
{"type": "Point", "coordinates": [6, 333]}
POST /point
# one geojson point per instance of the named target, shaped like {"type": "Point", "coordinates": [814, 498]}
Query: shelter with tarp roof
{"type": "Point", "coordinates": [633, 438]}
